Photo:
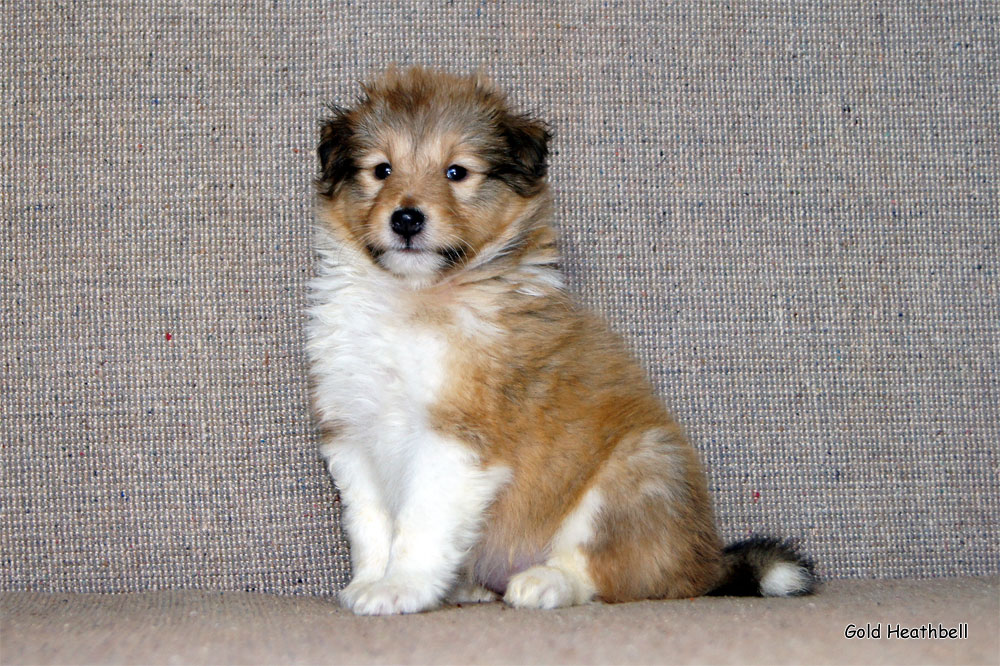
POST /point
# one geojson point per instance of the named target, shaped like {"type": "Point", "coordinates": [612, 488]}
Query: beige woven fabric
{"type": "Point", "coordinates": [788, 209]}
{"type": "Point", "coordinates": [197, 627]}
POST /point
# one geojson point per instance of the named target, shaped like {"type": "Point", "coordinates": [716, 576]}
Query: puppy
{"type": "Point", "coordinates": [488, 436]}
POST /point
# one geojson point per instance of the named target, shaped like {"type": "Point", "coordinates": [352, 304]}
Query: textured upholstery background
{"type": "Point", "coordinates": [788, 209]}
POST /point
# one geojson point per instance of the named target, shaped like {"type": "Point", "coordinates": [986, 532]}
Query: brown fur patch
{"type": "Point", "coordinates": [557, 400]}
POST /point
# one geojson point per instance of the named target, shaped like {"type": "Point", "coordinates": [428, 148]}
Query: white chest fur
{"type": "Point", "coordinates": [377, 367]}
{"type": "Point", "coordinates": [413, 499]}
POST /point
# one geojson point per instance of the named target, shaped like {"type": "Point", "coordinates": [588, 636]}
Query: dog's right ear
{"type": "Point", "coordinates": [335, 152]}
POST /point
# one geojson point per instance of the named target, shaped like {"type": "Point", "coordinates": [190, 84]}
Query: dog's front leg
{"type": "Point", "coordinates": [441, 508]}
{"type": "Point", "coordinates": [366, 517]}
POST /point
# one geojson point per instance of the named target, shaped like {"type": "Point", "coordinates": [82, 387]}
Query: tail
{"type": "Point", "coordinates": [763, 567]}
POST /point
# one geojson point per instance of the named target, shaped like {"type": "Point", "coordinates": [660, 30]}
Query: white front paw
{"type": "Point", "coordinates": [540, 587]}
{"type": "Point", "coordinates": [349, 595]}
{"type": "Point", "coordinates": [390, 596]}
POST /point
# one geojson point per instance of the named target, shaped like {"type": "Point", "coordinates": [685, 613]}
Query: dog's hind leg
{"type": "Point", "coordinates": [564, 578]}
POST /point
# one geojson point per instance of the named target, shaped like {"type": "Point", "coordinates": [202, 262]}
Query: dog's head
{"type": "Point", "coordinates": [428, 170]}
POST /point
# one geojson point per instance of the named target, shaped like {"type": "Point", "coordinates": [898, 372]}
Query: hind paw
{"type": "Point", "coordinates": [540, 587]}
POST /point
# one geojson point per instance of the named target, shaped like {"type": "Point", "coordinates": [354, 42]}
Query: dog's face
{"type": "Point", "coordinates": [428, 170]}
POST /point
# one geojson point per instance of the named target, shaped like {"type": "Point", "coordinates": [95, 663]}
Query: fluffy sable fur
{"type": "Point", "coordinates": [487, 435]}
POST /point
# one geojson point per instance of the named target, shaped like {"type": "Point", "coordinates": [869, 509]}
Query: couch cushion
{"type": "Point", "coordinates": [242, 628]}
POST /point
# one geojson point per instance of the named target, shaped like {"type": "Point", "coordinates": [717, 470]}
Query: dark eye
{"type": "Point", "coordinates": [456, 172]}
{"type": "Point", "coordinates": [382, 171]}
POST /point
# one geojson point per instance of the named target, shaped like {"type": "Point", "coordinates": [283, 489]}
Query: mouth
{"type": "Point", "coordinates": [452, 256]}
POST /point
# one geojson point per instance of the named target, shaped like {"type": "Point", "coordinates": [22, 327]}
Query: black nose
{"type": "Point", "coordinates": [407, 222]}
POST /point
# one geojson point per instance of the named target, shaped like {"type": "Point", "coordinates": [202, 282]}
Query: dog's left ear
{"type": "Point", "coordinates": [527, 153]}
{"type": "Point", "coordinates": [335, 152]}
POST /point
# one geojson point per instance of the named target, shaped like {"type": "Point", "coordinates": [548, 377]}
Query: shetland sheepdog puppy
{"type": "Point", "coordinates": [489, 438]}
